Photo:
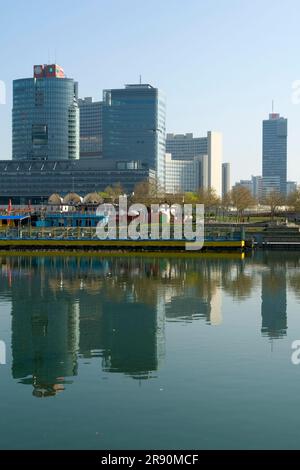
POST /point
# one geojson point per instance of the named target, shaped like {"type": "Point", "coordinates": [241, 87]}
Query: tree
{"type": "Point", "coordinates": [226, 203]}
{"type": "Point", "coordinates": [293, 200]}
{"type": "Point", "coordinates": [148, 192]}
{"type": "Point", "coordinates": [176, 198]}
{"type": "Point", "coordinates": [209, 198]}
{"type": "Point", "coordinates": [191, 198]}
{"type": "Point", "coordinates": [241, 199]}
{"type": "Point", "coordinates": [274, 200]}
{"type": "Point", "coordinates": [114, 192]}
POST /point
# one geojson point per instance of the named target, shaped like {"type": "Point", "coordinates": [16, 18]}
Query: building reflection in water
{"type": "Point", "coordinates": [127, 335]}
{"type": "Point", "coordinates": [45, 334]}
{"type": "Point", "coordinates": [274, 298]}
{"type": "Point", "coordinates": [198, 298]}
{"type": "Point", "coordinates": [114, 309]}
{"type": "Point", "coordinates": [44, 345]}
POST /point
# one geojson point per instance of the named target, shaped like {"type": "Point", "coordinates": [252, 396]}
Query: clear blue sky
{"type": "Point", "coordinates": [220, 62]}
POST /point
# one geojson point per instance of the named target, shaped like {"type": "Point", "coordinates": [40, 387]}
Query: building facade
{"type": "Point", "coordinates": [35, 181]}
{"type": "Point", "coordinates": [274, 154]}
{"type": "Point", "coordinates": [45, 116]}
{"type": "Point", "coordinates": [134, 121]}
{"type": "Point", "coordinates": [226, 185]}
{"type": "Point", "coordinates": [247, 184]}
{"type": "Point", "coordinates": [255, 186]}
{"type": "Point", "coordinates": [186, 147]}
{"type": "Point", "coordinates": [90, 127]}
{"type": "Point", "coordinates": [185, 175]}
{"type": "Point", "coordinates": [291, 187]}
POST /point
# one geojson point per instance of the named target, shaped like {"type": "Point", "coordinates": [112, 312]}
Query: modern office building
{"type": "Point", "coordinates": [226, 185]}
{"type": "Point", "coordinates": [291, 187]}
{"type": "Point", "coordinates": [35, 181]}
{"type": "Point", "coordinates": [245, 184]}
{"type": "Point", "coordinates": [255, 186]}
{"type": "Point", "coordinates": [215, 155]}
{"type": "Point", "coordinates": [185, 175]}
{"type": "Point", "coordinates": [271, 184]}
{"type": "Point", "coordinates": [274, 157]}
{"type": "Point", "coordinates": [186, 147]}
{"type": "Point", "coordinates": [90, 127]}
{"type": "Point", "coordinates": [45, 116]}
{"type": "Point", "coordinates": [134, 126]}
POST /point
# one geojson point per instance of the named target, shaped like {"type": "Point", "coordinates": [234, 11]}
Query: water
{"type": "Point", "coordinates": [141, 352]}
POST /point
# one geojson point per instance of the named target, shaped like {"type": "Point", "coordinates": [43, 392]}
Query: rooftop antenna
{"type": "Point", "coordinates": [272, 106]}
{"type": "Point", "coordinates": [140, 79]}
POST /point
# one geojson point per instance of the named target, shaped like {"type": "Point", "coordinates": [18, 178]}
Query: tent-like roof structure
{"type": "Point", "coordinates": [92, 198]}
{"type": "Point", "coordinates": [55, 199]}
{"type": "Point", "coordinates": [72, 198]}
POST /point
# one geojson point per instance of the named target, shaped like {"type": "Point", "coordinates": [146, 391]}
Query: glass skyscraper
{"type": "Point", "coordinates": [45, 120]}
{"type": "Point", "coordinates": [90, 127]}
{"type": "Point", "coordinates": [134, 126]}
{"type": "Point", "coordinates": [274, 161]}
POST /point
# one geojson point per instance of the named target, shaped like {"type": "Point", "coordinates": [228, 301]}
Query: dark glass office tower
{"type": "Point", "coordinates": [274, 161]}
{"type": "Point", "coordinates": [45, 117]}
{"type": "Point", "coordinates": [134, 126]}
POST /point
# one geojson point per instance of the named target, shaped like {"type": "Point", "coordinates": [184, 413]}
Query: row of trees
{"type": "Point", "coordinates": [239, 198]}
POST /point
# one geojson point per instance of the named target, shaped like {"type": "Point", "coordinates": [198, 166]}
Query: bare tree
{"type": "Point", "coordinates": [209, 198]}
{"type": "Point", "coordinates": [148, 192]}
{"type": "Point", "coordinates": [293, 200]}
{"type": "Point", "coordinates": [177, 198]}
{"type": "Point", "coordinates": [274, 200]}
{"type": "Point", "coordinates": [113, 192]}
{"type": "Point", "coordinates": [241, 199]}
{"type": "Point", "coordinates": [226, 203]}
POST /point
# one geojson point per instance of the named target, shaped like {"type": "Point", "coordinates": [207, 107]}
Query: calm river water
{"type": "Point", "coordinates": [149, 352]}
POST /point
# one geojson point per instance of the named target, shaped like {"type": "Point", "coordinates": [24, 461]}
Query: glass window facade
{"type": "Point", "coordinates": [90, 127]}
{"type": "Point", "coordinates": [186, 175]}
{"type": "Point", "coordinates": [274, 161]}
{"type": "Point", "coordinates": [37, 180]}
{"type": "Point", "coordinates": [134, 126]}
{"type": "Point", "coordinates": [186, 146]}
{"type": "Point", "coordinates": [45, 119]}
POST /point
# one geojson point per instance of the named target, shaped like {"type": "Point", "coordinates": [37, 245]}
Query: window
{"type": "Point", "coordinates": [39, 134]}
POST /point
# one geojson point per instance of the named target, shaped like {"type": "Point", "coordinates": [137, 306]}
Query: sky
{"type": "Point", "coordinates": [219, 62]}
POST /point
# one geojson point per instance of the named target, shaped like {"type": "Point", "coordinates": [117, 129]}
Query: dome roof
{"type": "Point", "coordinates": [72, 198]}
{"type": "Point", "coordinates": [55, 199]}
{"type": "Point", "coordinates": [92, 198]}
